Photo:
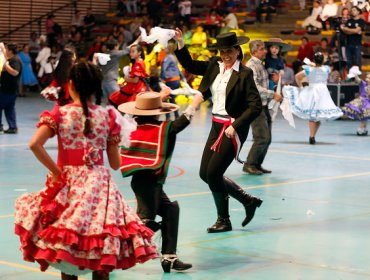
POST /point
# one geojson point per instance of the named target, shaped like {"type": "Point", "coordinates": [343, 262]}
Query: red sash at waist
{"type": "Point", "coordinates": [80, 157]}
{"type": "Point", "coordinates": [226, 121]}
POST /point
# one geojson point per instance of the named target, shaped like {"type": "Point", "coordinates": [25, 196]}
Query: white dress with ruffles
{"type": "Point", "coordinates": [313, 102]}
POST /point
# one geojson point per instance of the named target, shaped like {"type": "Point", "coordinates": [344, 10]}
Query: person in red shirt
{"type": "Point", "coordinates": [305, 50]}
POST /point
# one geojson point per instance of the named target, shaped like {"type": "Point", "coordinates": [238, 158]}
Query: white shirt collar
{"type": "Point", "coordinates": [235, 66]}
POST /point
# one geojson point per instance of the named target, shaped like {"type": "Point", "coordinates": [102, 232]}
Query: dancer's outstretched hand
{"type": "Point", "coordinates": [165, 93]}
{"type": "Point", "coordinates": [178, 37]}
{"type": "Point", "coordinates": [197, 100]}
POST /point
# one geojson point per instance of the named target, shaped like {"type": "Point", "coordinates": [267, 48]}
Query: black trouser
{"type": "Point", "coordinates": [261, 130]}
{"type": "Point", "coordinates": [152, 201]}
{"type": "Point", "coordinates": [214, 164]}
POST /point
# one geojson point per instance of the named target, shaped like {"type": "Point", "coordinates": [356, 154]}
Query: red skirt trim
{"type": "Point", "coordinates": [90, 242]}
{"type": "Point", "coordinates": [32, 253]}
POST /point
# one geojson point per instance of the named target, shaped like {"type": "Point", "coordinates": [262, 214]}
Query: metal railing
{"type": "Point", "coordinates": [38, 19]}
{"type": "Point", "coordinates": [72, 5]}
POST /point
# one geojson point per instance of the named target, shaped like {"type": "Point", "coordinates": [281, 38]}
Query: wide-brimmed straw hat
{"type": "Point", "coordinates": [147, 104]}
{"type": "Point", "coordinates": [229, 40]}
{"type": "Point", "coordinates": [284, 47]}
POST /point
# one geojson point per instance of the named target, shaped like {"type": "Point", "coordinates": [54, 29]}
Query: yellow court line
{"type": "Point", "coordinates": [259, 186]}
{"type": "Point", "coordinates": [7, 216]}
{"type": "Point", "coordinates": [32, 269]}
{"type": "Point", "coordinates": [28, 268]}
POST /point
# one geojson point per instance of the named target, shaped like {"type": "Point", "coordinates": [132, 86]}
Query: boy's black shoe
{"type": "Point", "coordinates": [11, 131]}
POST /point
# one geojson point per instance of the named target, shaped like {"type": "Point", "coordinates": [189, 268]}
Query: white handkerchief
{"type": "Point", "coordinates": [159, 34]}
{"type": "Point", "coordinates": [103, 58]}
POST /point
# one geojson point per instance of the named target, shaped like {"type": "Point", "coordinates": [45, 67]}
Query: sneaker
{"type": "Point", "coordinates": [11, 131]}
{"type": "Point", "coordinates": [362, 133]}
{"type": "Point", "coordinates": [1, 130]}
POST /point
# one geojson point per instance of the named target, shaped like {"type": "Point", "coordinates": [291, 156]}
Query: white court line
{"type": "Point", "coordinates": [13, 145]}
{"type": "Point", "coordinates": [298, 153]}
{"type": "Point", "coordinates": [318, 155]}
{"type": "Point", "coordinates": [310, 180]}
{"type": "Point", "coordinates": [270, 150]}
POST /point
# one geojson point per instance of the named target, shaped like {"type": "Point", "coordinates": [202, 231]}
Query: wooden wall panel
{"type": "Point", "coordinates": [15, 13]}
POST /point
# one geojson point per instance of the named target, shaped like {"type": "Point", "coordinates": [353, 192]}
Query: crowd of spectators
{"type": "Point", "coordinates": [349, 20]}
{"type": "Point", "coordinates": [343, 49]}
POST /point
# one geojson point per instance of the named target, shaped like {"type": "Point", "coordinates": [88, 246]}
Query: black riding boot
{"type": "Point", "coordinates": [222, 205]}
{"type": "Point", "coordinates": [249, 202]}
{"type": "Point", "coordinates": [170, 229]}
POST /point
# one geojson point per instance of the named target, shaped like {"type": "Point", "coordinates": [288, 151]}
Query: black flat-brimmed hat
{"type": "Point", "coordinates": [229, 40]}
{"type": "Point", "coordinates": [284, 47]}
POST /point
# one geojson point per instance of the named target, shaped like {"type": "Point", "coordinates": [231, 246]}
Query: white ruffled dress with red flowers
{"type": "Point", "coordinates": [81, 224]}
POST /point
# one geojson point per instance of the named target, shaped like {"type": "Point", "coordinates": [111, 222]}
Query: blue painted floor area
{"type": "Point", "coordinates": [314, 222]}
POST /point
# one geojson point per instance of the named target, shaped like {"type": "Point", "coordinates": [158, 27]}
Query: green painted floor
{"type": "Point", "coordinates": [314, 222]}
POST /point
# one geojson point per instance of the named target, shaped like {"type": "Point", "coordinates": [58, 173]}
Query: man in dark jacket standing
{"type": "Point", "coordinates": [9, 87]}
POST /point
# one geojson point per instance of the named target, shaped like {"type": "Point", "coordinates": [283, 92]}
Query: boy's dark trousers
{"type": "Point", "coordinates": [152, 201]}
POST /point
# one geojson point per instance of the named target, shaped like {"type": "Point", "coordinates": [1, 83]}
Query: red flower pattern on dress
{"type": "Point", "coordinates": [93, 221]}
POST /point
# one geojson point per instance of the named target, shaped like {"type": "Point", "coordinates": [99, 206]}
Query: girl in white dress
{"type": "Point", "coordinates": [313, 102]}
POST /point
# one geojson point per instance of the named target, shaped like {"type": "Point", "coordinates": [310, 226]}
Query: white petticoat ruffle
{"type": "Point", "coordinates": [312, 103]}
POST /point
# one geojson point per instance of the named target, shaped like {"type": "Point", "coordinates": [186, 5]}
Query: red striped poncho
{"type": "Point", "coordinates": [148, 150]}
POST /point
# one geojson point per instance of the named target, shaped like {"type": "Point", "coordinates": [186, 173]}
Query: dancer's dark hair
{"type": "Point", "coordinates": [140, 49]}
{"type": "Point", "coordinates": [87, 78]}
{"type": "Point", "coordinates": [61, 72]}
{"type": "Point", "coordinates": [318, 58]}
{"type": "Point", "coordinates": [12, 47]}
{"type": "Point", "coordinates": [66, 60]}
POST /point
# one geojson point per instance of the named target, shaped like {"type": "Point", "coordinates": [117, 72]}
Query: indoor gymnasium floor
{"type": "Point", "coordinates": [314, 222]}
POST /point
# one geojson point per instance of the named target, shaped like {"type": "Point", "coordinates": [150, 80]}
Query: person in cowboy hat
{"type": "Point", "coordinates": [149, 170]}
{"type": "Point", "coordinates": [274, 62]}
{"type": "Point", "coordinates": [236, 103]}
{"type": "Point", "coordinates": [261, 126]}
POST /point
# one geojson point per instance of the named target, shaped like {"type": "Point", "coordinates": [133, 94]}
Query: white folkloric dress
{"type": "Point", "coordinates": [313, 102]}
{"type": "Point", "coordinates": [82, 224]}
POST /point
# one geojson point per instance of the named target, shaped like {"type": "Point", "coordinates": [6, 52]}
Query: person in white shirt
{"type": "Point", "coordinates": [231, 22]}
{"type": "Point", "coordinates": [362, 4]}
{"type": "Point", "coordinates": [312, 19]}
{"type": "Point", "coordinates": [77, 19]}
{"type": "Point", "coordinates": [328, 13]}
{"type": "Point", "coordinates": [42, 57]}
{"type": "Point", "coordinates": [185, 11]}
